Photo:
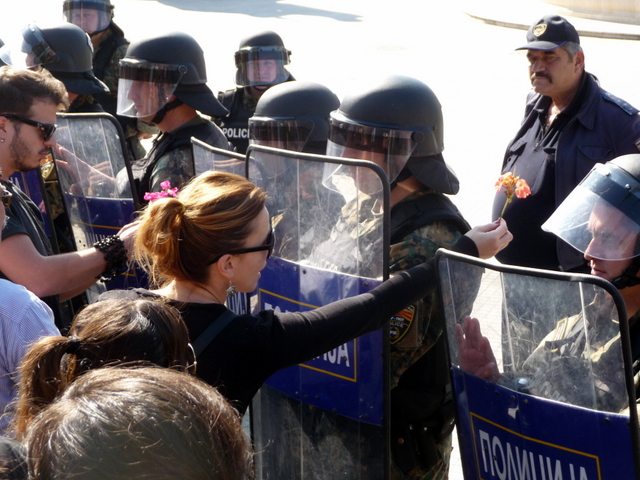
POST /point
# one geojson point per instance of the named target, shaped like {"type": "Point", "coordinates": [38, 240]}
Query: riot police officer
{"type": "Point", "coordinates": [295, 116]}
{"type": "Point", "coordinates": [163, 80]}
{"type": "Point", "coordinates": [397, 123]}
{"type": "Point", "coordinates": [65, 50]}
{"type": "Point", "coordinates": [260, 64]}
{"type": "Point", "coordinates": [601, 219]}
{"type": "Point", "coordinates": [95, 17]}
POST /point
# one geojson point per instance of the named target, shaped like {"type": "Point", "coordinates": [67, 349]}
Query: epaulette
{"type": "Point", "coordinates": [627, 107]}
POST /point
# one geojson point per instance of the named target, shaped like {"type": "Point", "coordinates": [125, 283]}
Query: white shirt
{"type": "Point", "coordinates": [24, 318]}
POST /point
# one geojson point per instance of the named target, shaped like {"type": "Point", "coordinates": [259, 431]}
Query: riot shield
{"type": "Point", "coordinates": [326, 418]}
{"type": "Point", "coordinates": [206, 157]}
{"type": "Point", "coordinates": [89, 155]}
{"type": "Point", "coordinates": [554, 372]}
{"type": "Point", "coordinates": [34, 184]}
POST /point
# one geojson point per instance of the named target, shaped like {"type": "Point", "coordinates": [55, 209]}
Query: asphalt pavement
{"type": "Point", "coordinates": [464, 50]}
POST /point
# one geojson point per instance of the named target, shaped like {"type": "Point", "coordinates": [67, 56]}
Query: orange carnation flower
{"type": "Point", "coordinates": [512, 185]}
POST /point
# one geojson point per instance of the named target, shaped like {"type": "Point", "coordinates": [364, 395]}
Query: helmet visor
{"type": "Point", "coordinates": [29, 50]}
{"type": "Point", "coordinates": [89, 16]}
{"type": "Point", "coordinates": [144, 87]}
{"type": "Point", "coordinates": [601, 217]}
{"type": "Point", "coordinates": [389, 148]}
{"type": "Point", "coordinates": [261, 66]}
{"type": "Point", "coordinates": [286, 134]}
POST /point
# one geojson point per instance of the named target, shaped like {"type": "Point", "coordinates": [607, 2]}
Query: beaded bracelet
{"type": "Point", "coordinates": [115, 254]}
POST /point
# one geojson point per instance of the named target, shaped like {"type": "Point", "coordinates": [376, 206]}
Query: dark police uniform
{"type": "Point", "coordinates": [595, 128]}
{"type": "Point", "coordinates": [241, 106]}
{"type": "Point", "coordinates": [171, 157]}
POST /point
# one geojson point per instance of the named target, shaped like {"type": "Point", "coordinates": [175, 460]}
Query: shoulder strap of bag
{"type": "Point", "coordinates": [212, 331]}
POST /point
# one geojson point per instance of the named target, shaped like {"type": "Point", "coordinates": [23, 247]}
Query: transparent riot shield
{"type": "Point", "coordinates": [326, 418]}
{"type": "Point", "coordinates": [206, 157]}
{"type": "Point", "coordinates": [89, 155]}
{"type": "Point", "coordinates": [543, 381]}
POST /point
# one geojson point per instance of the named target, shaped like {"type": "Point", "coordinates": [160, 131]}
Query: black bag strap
{"type": "Point", "coordinates": [212, 331]}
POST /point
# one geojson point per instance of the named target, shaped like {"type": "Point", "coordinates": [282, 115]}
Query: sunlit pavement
{"type": "Point", "coordinates": [463, 50]}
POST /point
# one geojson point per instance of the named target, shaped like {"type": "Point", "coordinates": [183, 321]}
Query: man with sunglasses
{"type": "Point", "coordinates": [29, 102]}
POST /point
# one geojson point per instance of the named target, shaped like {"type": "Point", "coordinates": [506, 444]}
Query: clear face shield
{"type": "Point", "coordinates": [390, 149]}
{"type": "Point", "coordinates": [261, 66]}
{"type": "Point", "coordinates": [145, 87]}
{"type": "Point", "coordinates": [287, 134]}
{"type": "Point", "coordinates": [92, 17]}
{"type": "Point", "coordinates": [29, 50]}
{"type": "Point", "coordinates": [601, 217]}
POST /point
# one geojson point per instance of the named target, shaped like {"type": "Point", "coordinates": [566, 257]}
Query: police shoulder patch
{"type": "Point", "coordinates": [400, 324]}
{"type": "Point", "coordinates": [626, 107]}
{"type": "Point", "coordinates": [637, 143]}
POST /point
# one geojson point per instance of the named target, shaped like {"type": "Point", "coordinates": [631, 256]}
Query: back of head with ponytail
{"type": "Point", "coordinates": [105, 333]}
{"type": "Point", "coordinates": [211, 216]}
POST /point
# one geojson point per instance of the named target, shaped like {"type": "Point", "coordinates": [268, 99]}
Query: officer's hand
{"type": "Point", "coordinates": [476, 355]}
{"type": "Point", "coordinates": [490, 238]}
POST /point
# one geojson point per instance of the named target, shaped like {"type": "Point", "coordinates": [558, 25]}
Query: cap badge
{"type": "Point", "coordinates": [539, 29]}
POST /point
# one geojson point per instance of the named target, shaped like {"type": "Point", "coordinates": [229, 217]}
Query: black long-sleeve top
{"type": "Point", "coordinates": [252, 348]}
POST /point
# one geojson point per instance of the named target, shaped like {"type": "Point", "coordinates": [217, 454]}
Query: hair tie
{"type": "Point", "coordinates": [73, 345]}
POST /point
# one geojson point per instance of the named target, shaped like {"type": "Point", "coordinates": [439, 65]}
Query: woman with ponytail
{"type": "Point", "coordinates": [212, 240]}
{"type": "Point", "coordinates": [113, 332]}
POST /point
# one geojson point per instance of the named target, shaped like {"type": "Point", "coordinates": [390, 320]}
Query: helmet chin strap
{"type": "Point", "coordinates": [98, 32]}
{"type": "Point", "coordinates": [628, 277]}
{"type": "Point", "coordinates": [159, 116]}
{"type": "Point", "coordinates": [404, 174]}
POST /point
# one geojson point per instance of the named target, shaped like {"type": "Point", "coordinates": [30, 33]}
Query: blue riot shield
{"type": "Point", "coordinates": [543, 380]}
{"type": "Point", "coordinates": [89, 155]}
{"type": "Point", "coordinates": [34, 184]}
{"type": "Point", "coordinates": [206, 157]}
{"type": "Point", "coordinates": [326, 418]}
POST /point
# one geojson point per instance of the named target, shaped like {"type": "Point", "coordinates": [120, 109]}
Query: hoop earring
{"type": "Point", "coordinates": [231, 291]}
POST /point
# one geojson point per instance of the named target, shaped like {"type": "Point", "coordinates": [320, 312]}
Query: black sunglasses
{"type": "Point", "coordinates": [48, 129]}
{"type": "Point", "coordinates": [268, 246]}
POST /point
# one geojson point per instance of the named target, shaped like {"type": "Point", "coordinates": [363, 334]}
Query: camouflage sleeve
{"type": "Point", "coordinates": [414, 330]}
{"type": "Point", "coordinates": [175, 166]}
{"type": "Point", "coordinates": [111, 70]}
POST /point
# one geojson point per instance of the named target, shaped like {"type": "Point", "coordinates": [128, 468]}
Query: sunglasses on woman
{"type": "Point", "coordinates": [267, 245]}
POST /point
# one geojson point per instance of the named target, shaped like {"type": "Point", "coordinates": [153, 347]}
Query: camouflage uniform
{"type": "Point", "coordinates": [414, 331]}
{"type": "Point", "coordinates": [354, 241]}
{"type": "Point", "coordinates": [85, 104]}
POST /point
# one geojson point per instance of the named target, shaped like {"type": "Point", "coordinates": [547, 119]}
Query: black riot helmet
{"type": "Point", "coordinates": [601, 216]}
{"type": "Point", "coordinates": [93, 16]}
{"type": "Point", "coordinates": [294, 116]}
{"type": "Point", "coordinates": [260, 60]}
{"type": "Point", "coordinates": [156, 68]}
{"type": "Point", "coordinates": [398, 120]}
{"type": "Point", "coordinates": [66, 51]}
